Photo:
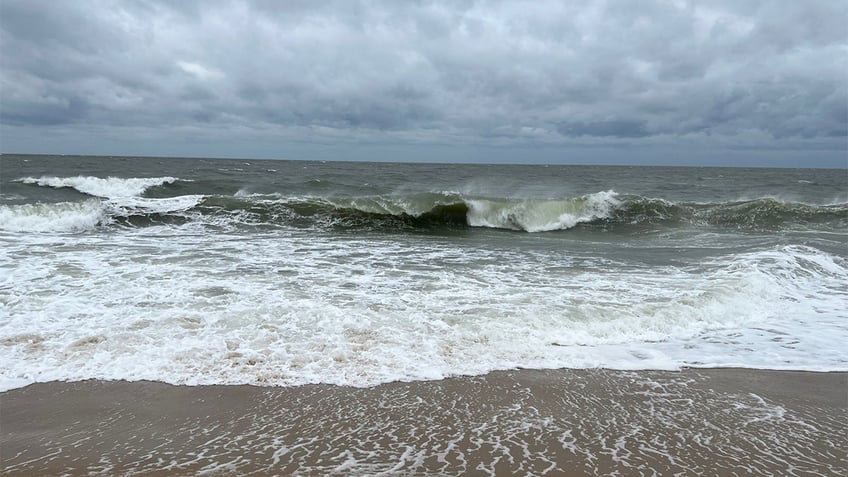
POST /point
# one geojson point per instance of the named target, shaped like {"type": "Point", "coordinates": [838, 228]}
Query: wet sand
{"type": "Point", "coordinates": [559, 422]}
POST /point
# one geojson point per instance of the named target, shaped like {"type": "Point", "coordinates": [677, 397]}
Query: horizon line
{"type": "Point", "coordinates": [529, 163]}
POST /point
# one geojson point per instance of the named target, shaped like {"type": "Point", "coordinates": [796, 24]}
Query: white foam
{"type": "Point", "coordinates": [541, 215]}
{"type": "Point", "coordinates": [58, 217]}
{"type": "Point", "coordinates": [86, 215]}
{"type": "Point", "coordinates": [287, 309]}
{"type": "Point", "coordinates": [109, 187]}
{"type": "Point", "coordinates": [127, 205]}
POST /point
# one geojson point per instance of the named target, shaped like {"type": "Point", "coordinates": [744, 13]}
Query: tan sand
{"type": "Point", "coordinates": [559, 422]}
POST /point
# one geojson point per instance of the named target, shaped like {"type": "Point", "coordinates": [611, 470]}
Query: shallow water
{"type": "Point", "coordinates": [715, 422]}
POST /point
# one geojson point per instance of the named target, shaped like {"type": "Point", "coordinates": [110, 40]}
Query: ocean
{"type": "Point", "coordinates": [283, 273]}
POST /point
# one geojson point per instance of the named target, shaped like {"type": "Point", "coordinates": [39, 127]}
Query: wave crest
{"type": "Point", "coordinates": [109, 187]}
{"type": "Point", "coordinates": [605, 210]}
{"type": "Point", "coordinates": [542, 215]}
{"type": "Point", "coordinates": [89, 214]}
{"type": "Point", "coordinates": [58, 217]}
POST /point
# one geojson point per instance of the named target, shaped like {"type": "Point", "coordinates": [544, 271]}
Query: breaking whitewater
{"type": "Point", "coordinates": [201, 271]}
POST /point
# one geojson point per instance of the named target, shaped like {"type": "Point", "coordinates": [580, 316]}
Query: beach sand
{"type": "Point", "coordinates": [556, 422]}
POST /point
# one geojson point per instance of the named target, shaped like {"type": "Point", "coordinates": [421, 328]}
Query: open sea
{"type": "Point", "coordinates": [281, 273]}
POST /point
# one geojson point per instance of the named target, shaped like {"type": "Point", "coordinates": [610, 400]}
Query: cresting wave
{"type": "Point", "coordinates": [604, 210]}
{"type": "Point", "coordinates": [60, 217]}
{"type": "Point", "coordinates": [93, 213]}
{"type": "Point", "coordinates": [109, 187]}
{"type": "Point", "coordinates": [118, 201]}
{"type": "Point", "coordinates": [122, 204]}
{"type": "Point", "coordinates": [439, 209]}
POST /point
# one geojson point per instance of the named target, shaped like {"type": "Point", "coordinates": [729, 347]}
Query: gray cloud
{"type": "Point", "coordinates": [615, 128]}
{"type": "Point", "coordinates": [540, 74]}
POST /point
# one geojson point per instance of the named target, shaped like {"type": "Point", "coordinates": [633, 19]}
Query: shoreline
{"type": "Point", "coordinates": [554, 422]}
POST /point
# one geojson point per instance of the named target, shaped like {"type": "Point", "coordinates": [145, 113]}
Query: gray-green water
{"type": "Point", "coordinates": [282, 272]}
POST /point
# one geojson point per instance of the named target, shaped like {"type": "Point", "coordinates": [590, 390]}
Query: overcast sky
{"type": "Point", "coordinates": [629, 82]}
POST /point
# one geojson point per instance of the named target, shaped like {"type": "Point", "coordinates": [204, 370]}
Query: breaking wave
{"type": "Point", "coordinates": [93, 213]}
{"type": "Point", "coordinates": [605, 210]}
{"type": "Point", "coordinates": [122, 203]}
{"type": "Point", "coordinates": [431, 210]}
{"type": "Point", "coordinates": [60, 217]}
{"type": "Point", "coordinates": [109, 187]}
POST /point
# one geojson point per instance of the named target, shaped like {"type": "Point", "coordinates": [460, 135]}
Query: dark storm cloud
{"type": "Point", "coordinates": [537, 73]}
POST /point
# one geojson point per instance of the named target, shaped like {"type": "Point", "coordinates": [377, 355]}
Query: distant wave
{"type": "Point", "coordinates": [109, 187]}
{"type": "Point", "coordinates": [123, 203]}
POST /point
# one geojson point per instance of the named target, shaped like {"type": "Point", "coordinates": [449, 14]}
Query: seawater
{"type": "Point", "coordinates": [211, 271]}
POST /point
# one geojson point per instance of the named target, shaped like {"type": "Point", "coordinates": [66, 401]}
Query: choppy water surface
{"type": "Point", "coordinates": [202, 271]}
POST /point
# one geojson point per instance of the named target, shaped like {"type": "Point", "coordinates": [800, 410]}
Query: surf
{"type": "Point", "coordinates": [108, 187]}
{"type": "Point", "coordinates": [602, 211]}
{"type": "Point", "coordinates": [126, 201]}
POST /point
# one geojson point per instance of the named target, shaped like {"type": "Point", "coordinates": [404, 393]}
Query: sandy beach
{"type": "Point", "coordinates": [557, 422]}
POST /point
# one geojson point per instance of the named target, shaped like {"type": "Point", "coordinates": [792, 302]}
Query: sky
{"type": "Point", "coordinates": [750, 83]}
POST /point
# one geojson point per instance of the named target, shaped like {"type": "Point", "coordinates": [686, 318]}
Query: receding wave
{"type": "Point", "coordinates": [605, 210]}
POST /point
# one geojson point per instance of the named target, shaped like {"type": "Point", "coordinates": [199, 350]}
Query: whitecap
{"type": "Point", "coordinates": [108, 187]}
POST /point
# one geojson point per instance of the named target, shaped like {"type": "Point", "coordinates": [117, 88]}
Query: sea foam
{"type": "Point", "coordinates": [361, 312]}
{"type": "Point", "coordinates": [57, 217]}
{"type": "Point", "coordinates": [109, 187]}
{"type": "Point", "coordinates": [88, 214]}
{"type": "Point", "coordinates": [541, 215]}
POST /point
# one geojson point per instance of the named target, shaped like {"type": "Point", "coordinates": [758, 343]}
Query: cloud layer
{"type": "Point", "coordinates": [742, 74]}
